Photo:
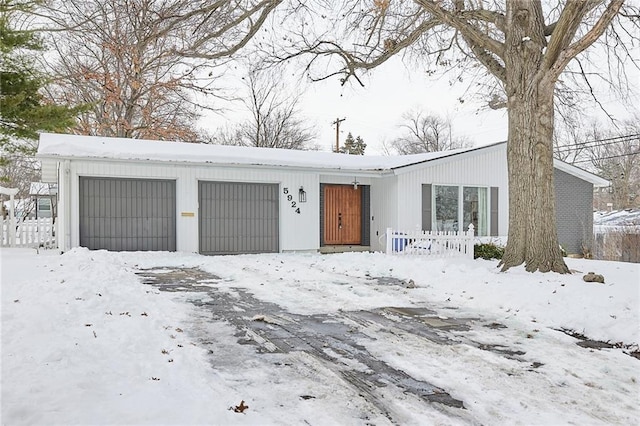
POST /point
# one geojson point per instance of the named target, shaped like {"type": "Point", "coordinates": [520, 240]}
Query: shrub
{"type": "Point", "coordinates": [488, 251]}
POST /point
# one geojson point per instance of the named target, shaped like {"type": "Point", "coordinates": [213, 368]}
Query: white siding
{"type": "Point", "coordinates": [396, 196]}
{"type": "Point", "coordinates": [49, 170]}
{"type": "Point", "coordinates": [297, 231]}
{"type": "Point", "coordinates": [486, 167]}
{"type": "Point", "coordinates": [63, 221]}
{"type": "Point", "coordinates": [384, 210]}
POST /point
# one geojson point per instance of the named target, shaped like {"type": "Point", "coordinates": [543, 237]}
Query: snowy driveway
{"type": "Point", "coordinates": [385, 360]}
{"type": "Point", "coordinates": [349, 339]}
{"type": "Point", "coordinates": [333, 338]}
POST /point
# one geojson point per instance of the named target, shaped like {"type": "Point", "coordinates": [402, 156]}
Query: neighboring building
{"type": "Point", "coordinates": [44, 198]}
{"type": "Point", "coordinates": [120, 194]}
{"type": "Point", "coordinates": [617, 235]}
{"type": "Point", "coordinates": [41, 202]}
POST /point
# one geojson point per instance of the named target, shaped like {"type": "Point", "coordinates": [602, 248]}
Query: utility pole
{"type": "Point", "coordinates": [337, 123]}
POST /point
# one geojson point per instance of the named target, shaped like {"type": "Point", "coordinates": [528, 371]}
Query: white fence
{"type": "Point", "coordinates": [431, 243]}
{"type": "Point", "coordinates": [28, 233]}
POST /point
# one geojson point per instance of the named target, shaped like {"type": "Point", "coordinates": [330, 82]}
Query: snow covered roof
{"type": "Point", "coordinates": [93, 147]}
{"type": "Point", "coordinates": [628, 217]}
{"type": "Point", "coordinates": [8, 191]}
{"type": "Point", "coordinates": [43, 188]}
{"type": "Point", "coordinates": [61, 146]}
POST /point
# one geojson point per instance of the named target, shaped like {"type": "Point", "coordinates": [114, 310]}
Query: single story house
{"type": "Point", "coordinates": [122, 194]}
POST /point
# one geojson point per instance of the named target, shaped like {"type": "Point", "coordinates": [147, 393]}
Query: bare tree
{"type": "Point", "coordinates": [24, 112]}
{"type": "Point", "coordinates": [569, 140]}
{"type": "Point", "coordinates": [611, 152]}
{"type": "Point", "coordinates": [423, 132]}
{"type": "Point", "coordinates": [518, 49]}
{"type": "Point", "coordinates": [18, 171]}
{"type": "Point", "coordinates": [275, 120]}
{"type": "Point", "coordinates": [135, 61]}
{"type": "Point", "coordinates": [572, 135]}
{"type": "Point", "coordinates": [617, 158]}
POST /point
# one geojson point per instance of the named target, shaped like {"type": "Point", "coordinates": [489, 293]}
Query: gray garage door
{"type": "Point", "coordinates": [238, 217]}
{"type": "Point", "coordinates": [127, 214]}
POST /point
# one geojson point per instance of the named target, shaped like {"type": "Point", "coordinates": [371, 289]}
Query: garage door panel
{"type": "Point", "coordinates": [237, 217]}
{"type": "Point", "coordinates": [127, 214]}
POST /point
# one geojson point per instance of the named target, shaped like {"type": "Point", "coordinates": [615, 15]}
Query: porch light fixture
{"type": "Point", "coordinates": [355, 183]}
{"type": "Point", "coordinates": [302, 196]}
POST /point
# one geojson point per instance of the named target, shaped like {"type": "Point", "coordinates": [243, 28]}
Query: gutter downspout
{"type": "Point", "coordinates": [65, 197]}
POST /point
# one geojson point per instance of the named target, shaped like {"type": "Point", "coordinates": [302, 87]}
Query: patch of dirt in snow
{"type": "Point", "coordinates": [584, 342]}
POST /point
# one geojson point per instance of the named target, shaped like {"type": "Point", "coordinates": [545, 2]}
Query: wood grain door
{"type": "Point", "coordinates": [342, 214]}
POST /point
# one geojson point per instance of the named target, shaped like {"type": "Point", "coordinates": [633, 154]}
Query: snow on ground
{"type": "Point", "coordinates": [85, 342]}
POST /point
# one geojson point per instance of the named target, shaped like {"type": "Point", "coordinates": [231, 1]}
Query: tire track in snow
{"type": "Point", "coordinates": [330, 338]}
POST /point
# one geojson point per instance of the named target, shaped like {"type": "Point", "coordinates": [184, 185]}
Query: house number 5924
{"type": "Point", "coordinates": [294, 206]}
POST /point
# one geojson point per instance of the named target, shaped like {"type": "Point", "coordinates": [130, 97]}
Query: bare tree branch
{"type": "Point", "coordinates": [558, 55]}
{"type": "Point", "coordinates": [473, 36]}
{"type": "Point", "coordinates": [275, 122]}
{"type": "Point", "coordinates": [424, 132]}
{"type": "Point", "coordinates": [145, 66]}
{"type": "Point", "coordinates": [206, 33]}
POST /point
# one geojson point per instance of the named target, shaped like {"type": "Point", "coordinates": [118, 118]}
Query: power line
{"type": "Point", "coordinates": [576, 147]}
{"type": "Point", "coordinates": [601, 142]}
{"type": "Point", "coordinates": [606, 158]}
{"type": "Point", "coordinates": [578, 152]}
{"type": "Point", "coordinates": [635, 135]}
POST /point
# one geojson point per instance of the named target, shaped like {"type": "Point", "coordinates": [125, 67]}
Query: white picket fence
{"type": "Point", "coordinates": [28, 232]}
{"type": "Point", "coordinates": [431, 243]}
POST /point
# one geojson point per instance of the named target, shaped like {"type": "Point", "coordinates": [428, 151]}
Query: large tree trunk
{"type": "Point", "coordinates": [532, 237]}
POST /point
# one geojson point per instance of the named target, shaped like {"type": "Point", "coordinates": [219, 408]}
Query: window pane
{"type": "Point", "coordinates": [44, 204]}
{"type": "Point", "coordinates": [446, 209]}
{"type": "Point", "coordinates": [475, 209]}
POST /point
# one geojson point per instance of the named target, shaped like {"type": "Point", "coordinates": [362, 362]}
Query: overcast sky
{"type": "Point", "coordinates": [374, 111]}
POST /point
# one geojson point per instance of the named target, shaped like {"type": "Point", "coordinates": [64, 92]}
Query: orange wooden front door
{"type": "Point", "coordinates": [342, 214]}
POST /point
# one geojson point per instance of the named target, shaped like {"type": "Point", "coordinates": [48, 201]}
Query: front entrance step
{"type": "Point", "coordinates": [343, 249]}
